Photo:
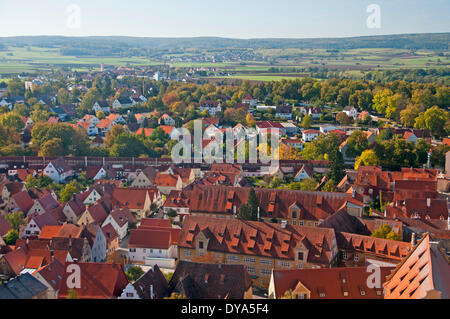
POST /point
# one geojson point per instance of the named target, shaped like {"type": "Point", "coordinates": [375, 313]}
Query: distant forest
{"type": "Point", "coordinates": [120, 46]}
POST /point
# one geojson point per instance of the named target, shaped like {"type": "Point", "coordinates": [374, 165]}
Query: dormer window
{"type": "Point", "coordinates": [200, 245]}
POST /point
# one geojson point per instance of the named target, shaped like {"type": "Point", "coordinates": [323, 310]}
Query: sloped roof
{"type": "Point", "coordinates": [98, 281]}
{"type": "Point", "coordinates": [132, 198]}
{"type": "Point", "coordinates": [52, 273]}
{"type": "Point", "coordinates": [273, 203]}
{"type": "Point", "coordinates": [153, 277]}
{"type": "Point", "coordinates": [5, 227]}
{"type": "Point", "coordinates": [332, 282]}
{"type": "Point", "coordinates": [22, 287]}
{"type": "Point", "coordinates": [210, 281]}
{"type": "Point", "coordinates": [258, 238]}
{"type": "Point", "coordinates": [386, 248]}
{"type": "Point", "coordinates": [150, 238]}
{"type": "Point", "coordinates": [426, 268]}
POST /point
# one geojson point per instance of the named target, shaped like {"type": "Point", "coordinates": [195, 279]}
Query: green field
{"type": "Point", "coordinates": [352, 62]}
{"type": "Point", "coordinates": [31, 59]}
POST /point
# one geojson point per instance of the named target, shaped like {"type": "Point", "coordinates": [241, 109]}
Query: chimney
{"type": "Point", "coordinates": [220, 265]}
{"type": "Point", "coordinates": [283, 224]}
{"type": "Point", "coordinates": [428, 202]}
{"type": "Point", "coordinates": [151, 292]}
{"type": "Point", "coordinates": [413, 239]}
{"type": "Point", "coordinates": [52, 255]}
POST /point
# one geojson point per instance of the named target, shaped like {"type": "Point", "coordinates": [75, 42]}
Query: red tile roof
{"type": "Point", "coordinates": [150, 238]}
{"type": "Point", "coordinates": [273, 203]}
{"type": "Point", "coordinates": [259, 238]}
{"type": "Point", "coordinates": [98, 281]}
{"type": "Point", "coordinates": [132, 198]}
{"type": "Point", "coordinates": [5, 227]}
{"type": "Point", "coordinates": [385, 248]}
{"type": "Point", "coordinates": [23, 200]}
{"type": "Point", "coordinates": [166, 180]}
{"type": "Point", "coordinates": [426, 268]}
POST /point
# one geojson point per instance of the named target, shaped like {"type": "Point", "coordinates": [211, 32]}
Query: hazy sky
{"type": "Point", "coordinates": [225, 18]}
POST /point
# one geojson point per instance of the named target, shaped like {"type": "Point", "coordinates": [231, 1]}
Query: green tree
{"type": "Point", "coordinates": [21, 109]}
{"type": "Point", "coordinates": [52, 147]}
{"type": "Point", "coordinates": [330, 186]}
{"type": "Point", "coordinates": [409, 114]}
{"type": "Point", "coordinates": [69, 189]}
{"type": "Point", "coordinates": [322, 145]}
{"type": "Point", "coordinates": [11, 237]}
{"type": "Point", "coordinates": [15, 219]}
{"type": "Point", "coordinates": [336, 164]}
{"type": "Point", "coordinates": [343, 118]}
{"type": "Point", "coordinates": [307, 121]}
{"type": "Point", "coordinates": [367, 158]}
{"type": "Point", "coordinates": [308, 184]}
{"type": "Point", "coordinates": [128, 145]}
{"type": "Point", "coordinates": [244, 212]}
{"type": "Point", "coordinates": [88, 101]}
{"type": "Point", "coordinates": [385, 231]}
{"type": "Point", "coordinates": [438, 155]}
{"type": "Point", "coordinates": [72, 294]}
{"type": "Point", "coordinates": [253, 204]}
{"type": "Point", "coordinates": [12, 120]}
{"type": "Point", "coordinates": [434, 120]}
{"type": "Point", "coordinates": [356, 144]}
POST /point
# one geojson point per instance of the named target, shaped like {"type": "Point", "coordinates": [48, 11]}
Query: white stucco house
{"type": "Point", "coordinates": [152, 246]}
{"type": "Point", "coordinates": [58, 171]}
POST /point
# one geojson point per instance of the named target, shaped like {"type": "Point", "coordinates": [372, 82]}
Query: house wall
{"type": "Point", "coordinates": [129, 293]}
{"type": "Point", "coordinates": [255, 265]}
{"type": "Point", "coordinates": [31, 229]}
{"type": "Point", "coordinates": [99, 248]}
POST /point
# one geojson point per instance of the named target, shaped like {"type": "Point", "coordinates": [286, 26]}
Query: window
{"type": "Point", "coordinates": [188, 253]}
{"type": "Point", "coordinates": [130, 294]}
{"type": "Point", "coordinates": [265, 261]}
{"type": "Point", "coordinates": [232, 258]}
{"type": "Point", "coordinates": [251, 270]}
{"type": "Point", "coordinates": [294, 214]}
{"type": "Point", "coordinates": [356, 258]}
{"type": "Point", "coordinates": [249, 260]}
{"type": "Point", "coordinates": [344, 255]}
{"type": "Point", "coordinates": [284, 264]}
{"type": "Point", "coordinates": [300, 256]}
{"type": "Point", "coordinates": [200, 245]}
{"type": "Point", "coordinates": [300, 223]}
{"type": "Point", "coordinates": [132, 250]}
{"type": "Point", "coordinates": [265, 271]}
{"type": "Point", "coordinates": [301, 296]}
{"type": "Point", "coordinates": [322, 295]}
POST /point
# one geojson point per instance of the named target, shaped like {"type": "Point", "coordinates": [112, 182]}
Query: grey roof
{"type": "Point", "coordinates": [23, 287]}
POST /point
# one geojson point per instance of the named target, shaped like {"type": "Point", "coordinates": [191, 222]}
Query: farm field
{"type": "Point", "coordinates": [32, 59]}
{"type": "Point", "coordinates": [278, 64]}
